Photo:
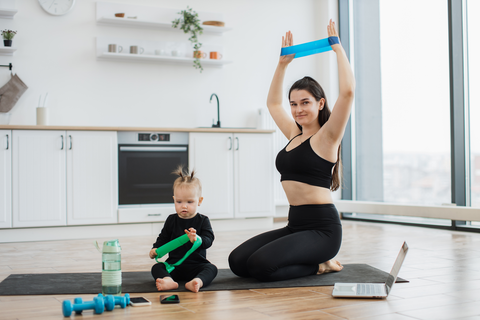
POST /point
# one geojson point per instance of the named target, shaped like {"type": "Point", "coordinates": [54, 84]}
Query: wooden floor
{"type": "Point", "coordinates": [443, 268]}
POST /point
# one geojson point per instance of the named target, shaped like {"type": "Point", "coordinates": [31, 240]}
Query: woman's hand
{"type": "Point", "coordinates": [153, 253]}
{"type": "Point", "coordinates": [287, 41]}
{"type": "Point", "coordinates": [333, 33]}
{"type": "Point", "coordinates": [192, 234]}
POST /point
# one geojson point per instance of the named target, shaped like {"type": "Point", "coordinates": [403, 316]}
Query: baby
{"type": "Point", "coordinates": [196, 269]}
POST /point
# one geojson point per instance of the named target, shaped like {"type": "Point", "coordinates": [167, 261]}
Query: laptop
{"type": "Point", "coordinates": [371, 290]}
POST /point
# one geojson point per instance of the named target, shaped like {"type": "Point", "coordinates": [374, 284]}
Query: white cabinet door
{"type": "Point", "coordinates": [92, 177]}
{"type": "Point", "coordinates": [5, 179]}
{"type": "Point", "coordinates": [38, 163]}
{"type": "Point", "coordinates": [211, 155]}
{"type": "Point", "coordinates": [254, 165]}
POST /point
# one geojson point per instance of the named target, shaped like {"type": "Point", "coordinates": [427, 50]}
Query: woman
{"type": "Point", "coordinates": [309, 168]}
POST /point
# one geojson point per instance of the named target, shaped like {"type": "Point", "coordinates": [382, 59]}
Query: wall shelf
{"type": "Point", "coordinates": [154, 58]}
{"type": "Point", "coordinates": [7, 13]}
{"type": "Point", "coordinates": [7, 51]}
{"type": "Point", "coordinates": [154, 24]}
{"type": "Point", "coordinates": [170, 52]}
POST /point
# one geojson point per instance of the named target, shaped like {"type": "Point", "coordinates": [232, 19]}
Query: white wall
{"type": "Point", "coordinates": [58, 55]}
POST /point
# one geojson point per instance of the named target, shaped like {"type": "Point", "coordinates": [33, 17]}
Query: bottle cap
{"type": "Point", "coordinates": [112, 246]}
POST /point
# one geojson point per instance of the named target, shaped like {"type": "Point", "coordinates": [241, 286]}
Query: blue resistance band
{"type": "Point", "coordinates": [309, 48]}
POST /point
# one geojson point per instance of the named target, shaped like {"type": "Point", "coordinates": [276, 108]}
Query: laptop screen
{"type": "Point", "coordinates": [396, 267]}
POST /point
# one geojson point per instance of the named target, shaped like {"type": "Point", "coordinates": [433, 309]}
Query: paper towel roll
{"type": "Point", "coordinates": [42, 116]}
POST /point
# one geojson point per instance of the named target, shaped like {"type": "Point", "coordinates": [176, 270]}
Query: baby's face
{"type": "Point", "coordinates": [186, 200]}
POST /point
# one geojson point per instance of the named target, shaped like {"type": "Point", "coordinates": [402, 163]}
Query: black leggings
{"type": "Point", "coordinates": [186, 272]}
{"type": "Point", "coordinates": [313, 236]}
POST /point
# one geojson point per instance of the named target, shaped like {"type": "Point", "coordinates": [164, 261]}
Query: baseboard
{"type": "Point", "coordinates": [119, 230]}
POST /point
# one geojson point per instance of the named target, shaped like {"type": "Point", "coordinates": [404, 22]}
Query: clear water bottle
{"type": "Point", "coordinates": [112, 268]}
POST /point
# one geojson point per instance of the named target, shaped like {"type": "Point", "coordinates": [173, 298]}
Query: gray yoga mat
{"type": "Point", "coordinates": [140, 282]}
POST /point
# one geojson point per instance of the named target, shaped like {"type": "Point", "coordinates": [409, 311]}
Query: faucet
{"type": "Point", "coordinates": [218, 111]}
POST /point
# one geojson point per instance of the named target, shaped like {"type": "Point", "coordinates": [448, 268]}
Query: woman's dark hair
{"type": "Point", "coordinates": [313, 87]}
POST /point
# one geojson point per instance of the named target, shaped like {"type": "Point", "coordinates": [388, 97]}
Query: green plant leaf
{"type": "Point", "coordinates": [189, 23]}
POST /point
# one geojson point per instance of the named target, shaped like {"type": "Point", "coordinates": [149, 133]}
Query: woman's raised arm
{"type": "Point", "coordinates": [335, 126]}
{"type": "Point", "coordinates": [274, 100]}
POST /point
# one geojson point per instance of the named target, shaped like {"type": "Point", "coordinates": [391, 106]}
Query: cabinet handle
{"type": "Point", "coordinates": [154, 214]}
{"type": "Point", "coordinates": [70, 142]}
{"type": "Point", "coordinates": [238, 143]}
{"type": "Point", "coordinates": [230, 138]}
{"type": "Point", "coordinates": [7, 143]}
{"type": "Point", "coordinates": [62, 142]}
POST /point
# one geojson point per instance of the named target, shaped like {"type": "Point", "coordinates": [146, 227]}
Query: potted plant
{"type": "Point", "coordinates": [7, 37]}
{"type": "Point", "coordinates": [190, 23]}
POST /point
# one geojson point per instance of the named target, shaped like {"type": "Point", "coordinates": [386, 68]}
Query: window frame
{"type": "Point", "coordinates": [459, 133]}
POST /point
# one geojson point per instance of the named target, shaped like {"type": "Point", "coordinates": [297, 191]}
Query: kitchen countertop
{"type": "Point", "coordinates": [148, 129]}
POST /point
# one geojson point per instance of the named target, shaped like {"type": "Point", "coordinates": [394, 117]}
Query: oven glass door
{"type": "Point", "coordinates": [145, 172]}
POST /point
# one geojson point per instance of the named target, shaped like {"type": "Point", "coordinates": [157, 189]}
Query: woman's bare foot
{"type": "Point", "coordinates": [194, 285]}
{"type": "Point", "coordinates": [329, 266]}
{"type": "Point", "coordinates": [166, 284]}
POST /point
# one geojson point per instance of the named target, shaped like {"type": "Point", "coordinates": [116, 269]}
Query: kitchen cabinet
{"type": "Point", "coordinates": [211, 156]}
{"type": "Point", "coordinates": [92, 177]}
{"type": "Point", "coordinates": [64, 177]}
{"type": "Point", "coordinates": [39, 178]}
{"type": "Point", "coordinates": [253, 175]}
{"type": "Point", "coordinates": [236, 171]}
{"type": "Point", "coordinates": [5, 178]}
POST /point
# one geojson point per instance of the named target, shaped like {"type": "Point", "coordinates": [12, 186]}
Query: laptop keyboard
{"type": "Point", "coordinates": [370, 289]}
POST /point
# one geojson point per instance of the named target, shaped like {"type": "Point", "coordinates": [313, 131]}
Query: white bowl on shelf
{"type": "Point", "coordinates": [4, 117]}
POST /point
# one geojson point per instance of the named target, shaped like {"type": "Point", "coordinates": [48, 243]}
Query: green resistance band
{"type": "Point", "coordinates": [174, 244]}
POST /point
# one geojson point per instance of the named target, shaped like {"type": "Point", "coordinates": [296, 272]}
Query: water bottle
{"type": "Point", "coordinates": [112, 268]}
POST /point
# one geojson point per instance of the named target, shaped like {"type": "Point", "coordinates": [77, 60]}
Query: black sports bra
{"type": "Point", "coordinates": [302, 164]}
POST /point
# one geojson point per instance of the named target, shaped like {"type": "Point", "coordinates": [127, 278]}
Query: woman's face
{"type": "Point", "coordinates": [304, 107]}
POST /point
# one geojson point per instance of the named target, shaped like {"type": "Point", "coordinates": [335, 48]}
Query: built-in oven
{"type": "Point", "coordinates": [145, 164]}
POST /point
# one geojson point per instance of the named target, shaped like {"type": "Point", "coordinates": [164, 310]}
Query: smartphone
{"type": "Point", "coordinates": [139, 302]}
{"type": "Point", "coordinates": [169, 299]}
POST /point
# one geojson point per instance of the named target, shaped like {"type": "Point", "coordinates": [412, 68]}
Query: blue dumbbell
{"type": "Point", "coordinates": [109, 302]}
{"type": "Point", "coordinates": [98, 305]}
{"type": "Point", "coordinates": [121, 301]}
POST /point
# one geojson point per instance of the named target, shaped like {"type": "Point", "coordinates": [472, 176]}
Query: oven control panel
{"type": "Point", "coordinates": [154, 137]}
{"type": "Point", "coordinates": [149, 138]}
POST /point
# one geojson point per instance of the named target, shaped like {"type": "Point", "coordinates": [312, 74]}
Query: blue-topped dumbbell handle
{"type": "Point", "coordinates": [109, 303]}
{"type": "Point", "coordinates": [121, 301]}
{"type": "Point", "coordinates": [78, 301]}
{"type": "Point", "coordinates": [98, 305]}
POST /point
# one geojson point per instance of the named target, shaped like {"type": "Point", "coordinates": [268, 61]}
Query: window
{"type": "Point", "coordinates": [402, 118]}
{"type": "Point", "coordinates": [402, 106]}
{"type": "Point", "coordinates": [473, 44]}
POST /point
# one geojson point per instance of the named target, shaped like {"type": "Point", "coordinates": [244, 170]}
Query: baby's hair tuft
{"type": "Point", "coordinates": [186, 179]}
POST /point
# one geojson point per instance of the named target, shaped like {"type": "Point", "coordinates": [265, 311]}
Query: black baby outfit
{"type": "Point", "coordinates": [196, 265]}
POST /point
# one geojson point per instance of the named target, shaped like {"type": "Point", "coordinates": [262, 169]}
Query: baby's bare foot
{"type": "Point", "coordinates": [194, 285]}
{"type": "Point", "coordinates": [329, 266]}
{"type": "Point", "coordinates": [166, 284]}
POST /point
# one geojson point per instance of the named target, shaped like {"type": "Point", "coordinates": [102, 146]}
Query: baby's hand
{"type": "Point", "coordinates": [153, 253]}
{"type": "Point", "coordinates": [192, 234]}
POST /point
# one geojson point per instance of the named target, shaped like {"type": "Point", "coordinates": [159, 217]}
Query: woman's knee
{"type": "Point", "coordinates": [261, 267]}
{"type": "Point", "coordinates": [237, 263]}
